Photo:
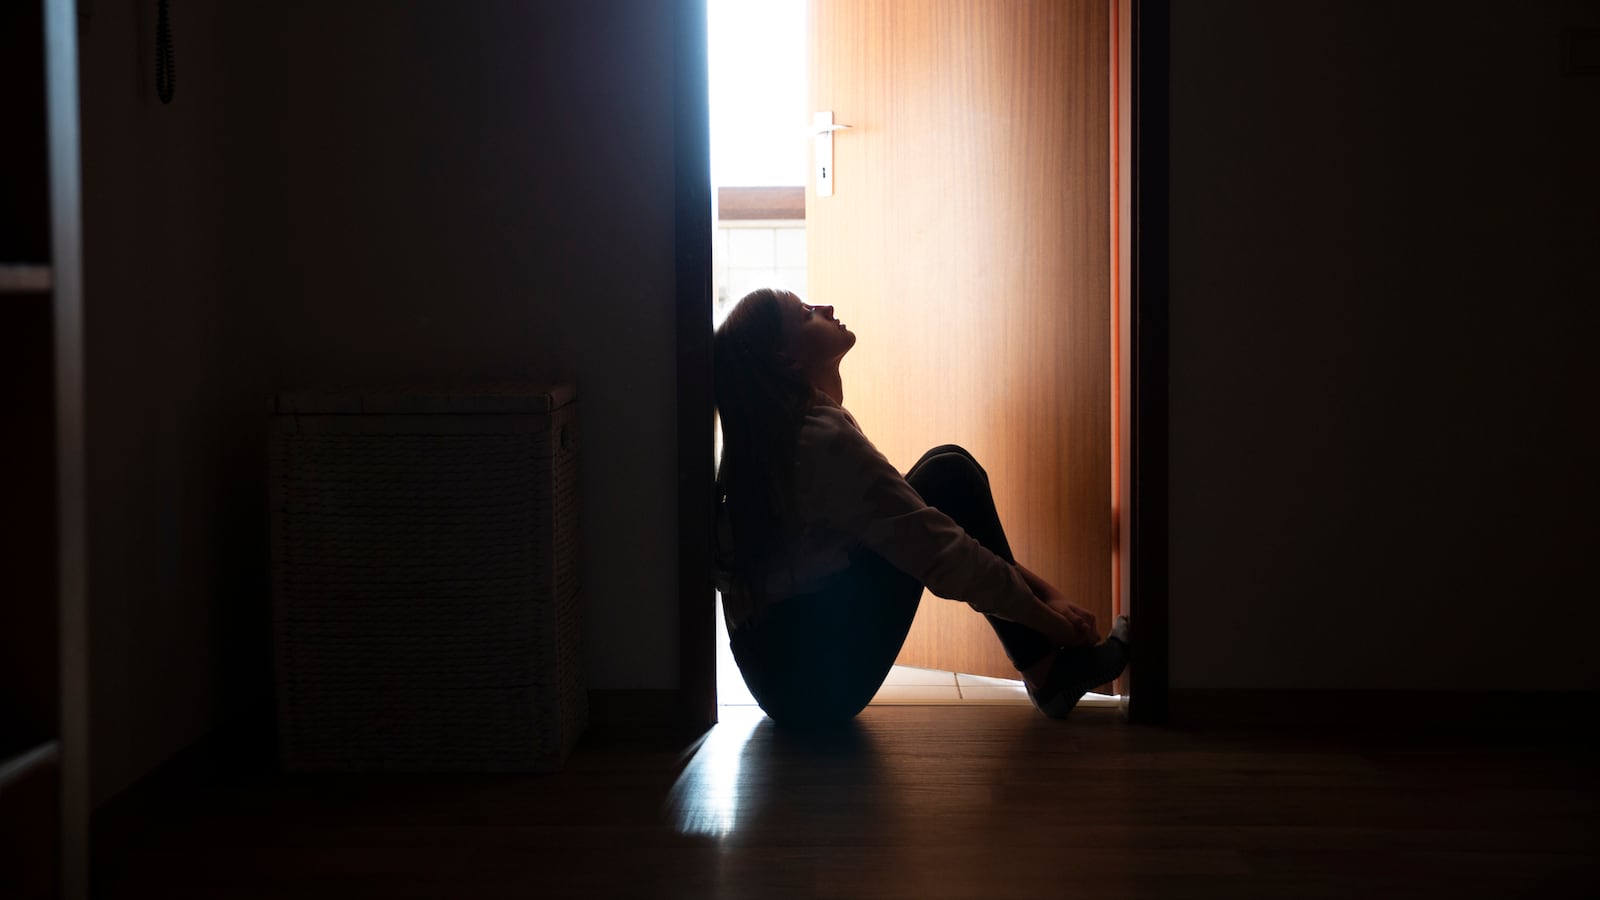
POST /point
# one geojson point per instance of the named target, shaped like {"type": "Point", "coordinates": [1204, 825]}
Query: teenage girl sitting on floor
{"type": "Point", "coordinates": [823, 547]}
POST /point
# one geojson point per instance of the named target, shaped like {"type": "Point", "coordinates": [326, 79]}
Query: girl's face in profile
{"type": "Point", "coordinates": [812, 337]}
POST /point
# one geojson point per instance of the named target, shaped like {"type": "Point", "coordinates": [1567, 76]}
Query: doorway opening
{"type": "Point", "coordinates": [760, 137]}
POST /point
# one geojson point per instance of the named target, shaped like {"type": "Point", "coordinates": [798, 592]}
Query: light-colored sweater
{"type": "Point", "coordinates": [848, 495]}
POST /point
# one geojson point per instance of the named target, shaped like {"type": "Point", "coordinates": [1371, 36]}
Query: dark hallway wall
{"type": "Point", "coordinates": [354, 192]}
{"type": "Point", "coordinates": [428, 191]}
{"type": "Point", "coordinates": [173, 382]}
{"type": "Point", "coordinates": [1384, 223]}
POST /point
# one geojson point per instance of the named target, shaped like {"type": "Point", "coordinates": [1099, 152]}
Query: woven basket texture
{"type": "Point", "coordinates": [426, 600]}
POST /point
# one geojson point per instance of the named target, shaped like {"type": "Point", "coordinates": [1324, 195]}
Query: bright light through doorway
{"type": "Point", "coordinates": [758, 92]}
{"type": "Point", "coordinates": [759, 136]}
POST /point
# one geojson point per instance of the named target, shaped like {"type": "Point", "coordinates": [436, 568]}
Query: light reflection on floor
{"type": "Point", "coordinates": [728, 778]}
{"type": "Point", "coordinates": [748, 778]}
{"type": "Point", "coordinates": [705, 798]}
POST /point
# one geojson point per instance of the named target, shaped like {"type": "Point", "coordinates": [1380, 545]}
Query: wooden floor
{"type": "Point", "coordinates": [913, 802]}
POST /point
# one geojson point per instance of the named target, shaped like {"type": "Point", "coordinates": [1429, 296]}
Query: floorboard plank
{"type": "Point", "coordinates": [912, 802]}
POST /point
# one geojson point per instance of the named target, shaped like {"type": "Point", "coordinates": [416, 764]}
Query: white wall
{"type": "Point", "coordinates": [361, 191]}
{"type": "Point", "coordinates": [176, 528]}
{"type": "Point", "coordinates": [482, 191]}
{"type": "Point", "coordinates": [1382, 321]}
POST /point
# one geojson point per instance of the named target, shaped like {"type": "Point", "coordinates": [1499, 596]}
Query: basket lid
{"type": "Point", "coordinates": [495, 397]}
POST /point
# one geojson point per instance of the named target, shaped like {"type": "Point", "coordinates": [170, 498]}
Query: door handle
{"type": "Point", "coordinates": [822, 129]}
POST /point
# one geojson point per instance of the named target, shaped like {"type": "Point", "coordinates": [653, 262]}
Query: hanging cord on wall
{"type": "Point", "coordinates": [166, 68]}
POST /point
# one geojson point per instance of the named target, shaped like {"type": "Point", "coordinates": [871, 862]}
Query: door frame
{"type": "Point", "coordinates": [1145, 430]}
{"type": "Point", "coordinates": [1148, 681]}
{"type": "Point", "coordinates": [697, 598]}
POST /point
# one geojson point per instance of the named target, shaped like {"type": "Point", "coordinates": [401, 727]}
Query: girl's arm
{"type": "Point", "coordinates": [853, 488]}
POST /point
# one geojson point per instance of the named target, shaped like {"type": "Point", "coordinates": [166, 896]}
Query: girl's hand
{"type": "Point", "coordinates": [1058, 628]}
{"type": "Point", "coordinates": [1062, 621]}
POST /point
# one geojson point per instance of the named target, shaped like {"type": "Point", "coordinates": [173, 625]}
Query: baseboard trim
{"type": "Point", "coordinates": [1373, 710]}
{"type": "Point", "coordinates": [634, 707]}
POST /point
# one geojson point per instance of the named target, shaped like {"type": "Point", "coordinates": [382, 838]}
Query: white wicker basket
{"type": "Point", "coordinates": [426, 602]}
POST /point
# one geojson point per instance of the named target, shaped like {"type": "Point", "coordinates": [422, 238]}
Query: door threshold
{"type": "Point", "coordinates": [1088, 700]}
{"type": "Point", "coordinates": [1104, 700]}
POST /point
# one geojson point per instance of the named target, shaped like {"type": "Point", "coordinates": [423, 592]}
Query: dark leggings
{"type": "Point", "coordinates": [818, 658]}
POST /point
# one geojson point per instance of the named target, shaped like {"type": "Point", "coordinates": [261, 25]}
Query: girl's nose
{"type": "Point", "coordinates": [827, 311]}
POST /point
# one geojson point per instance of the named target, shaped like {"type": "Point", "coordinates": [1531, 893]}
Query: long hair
{"type": "Point", "coordinates": [761, 403]}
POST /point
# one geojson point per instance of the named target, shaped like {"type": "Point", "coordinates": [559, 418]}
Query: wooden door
{"type": "Point", "coordinates": [967, 243]}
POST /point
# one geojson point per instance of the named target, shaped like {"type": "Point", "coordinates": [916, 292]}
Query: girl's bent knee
{"type": "Point", "coordinates": [952, 450]}
{"type": "Point", "coordinates": [946, 467]}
